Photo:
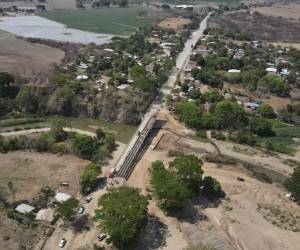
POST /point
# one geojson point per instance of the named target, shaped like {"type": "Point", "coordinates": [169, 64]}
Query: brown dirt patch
{"type": "Point", "coordinates": [263, 27]}
{"type": "Point", "coordinates": [286, 11]}
{"type": "Point", "coordinates": [30, 171]}
{"type": "Point", "coordinates": [30, 61]}
{"type": "Point", "coordinates": [174, 23]}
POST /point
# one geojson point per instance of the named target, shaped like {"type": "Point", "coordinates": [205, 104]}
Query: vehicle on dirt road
{"type": "Point", "coordinates": [81, 210]}
{"type": "Point", "coordinates": [101, 237]}
{"type": "Point", "coordinates": [62, 243]}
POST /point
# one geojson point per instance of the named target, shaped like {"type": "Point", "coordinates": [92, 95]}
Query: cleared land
{"type": "Point", "coordinates": [174, 23]}
{"type": "Point", "coordinates": [263, 27]}
{"type": "Point", "coordinates": [30, 61]}
{"type": "Point", "coordinates": [30, 171]}
{"type": "Point", "coordinates": [286, 11]}
{"type": "Point", "coordinates": [251, 210]}
{"type": "Point", "coordinates": [119, 21]}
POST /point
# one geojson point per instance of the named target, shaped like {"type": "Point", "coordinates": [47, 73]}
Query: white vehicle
{"type": "Point", "coordinates": [290, 197]}
{"type": "Point", "coordinates": [62, 243]}
{"type": "Point", "coordinates": [101, 237]}
{"type": "Point", "coordinates": [81, 210]}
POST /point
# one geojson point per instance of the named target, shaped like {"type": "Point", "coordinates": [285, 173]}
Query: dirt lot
{"type": "Point", "coordinates": [231, 224]}
{"type": "Point", "coordinates": [268, 28]}
{"type": "Point", "coordinates": [286, 11]}
{"type": "Point", "coordinates": [251, 209]}
{"type": "Point", "coordinates": [27, 60]}
{"type": "Point", "coordinates": [29, 171]}
{"type": "Point", "coordinates": [173, 23]}
{"type": "Point", "coordinates": [278, 103]}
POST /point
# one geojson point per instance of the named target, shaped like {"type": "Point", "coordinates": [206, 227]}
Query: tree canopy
{"type": "Point", "coordinates": [122, 212]}
{"type": "Point", "coordinates": [188, 170]}
{"type": "Point", "coordinates": [88, 179]}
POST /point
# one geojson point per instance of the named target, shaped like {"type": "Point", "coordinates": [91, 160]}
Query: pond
{"type": "Point", "coordinates": [38, 27]}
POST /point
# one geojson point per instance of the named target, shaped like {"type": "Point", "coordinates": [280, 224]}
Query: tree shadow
{"type": "Point", "coordinates": [82, 223]}
{"type": "Point", "coordinates": [153, 236]}
{"type": "Point", "coordinates": [192, 212]}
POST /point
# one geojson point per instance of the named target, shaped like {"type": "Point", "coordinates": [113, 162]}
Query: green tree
{"type": "Point", "coordinates": [261, 126]}
{"type": "Point", "coordinates": [85, 146]}
{"type": "Point", "coordinates": [67, 210]}
{"type": "Point", "coordinates": [172, 195]}
{"type": "Point", "coordinates": [57, 129]}
{"type": "Point", "coordinates": [89, 178]}
{"type": "Point", "coordinates": [211, 187]}
{"type": "Point", "coordinates": [292, 184]}
{"type": "Point", "coordinates": [275, 84]}
{"type": "Point", "coordinates": [44, 142]}
{"type": "Point", "coordinates": [188, 169]}
{"type": "Point", "coordinates": [6, 81]}
{"type": "Point", "coordinates": [231, 115]}
{"type": "Point", "coordinates": [122, 212]}
{"type": "Point", "coordinates": [266, 111]}
{"type": "Point", "coordinates": [190, 113]}
{"type": "Point", "coordinates": [100, 135]}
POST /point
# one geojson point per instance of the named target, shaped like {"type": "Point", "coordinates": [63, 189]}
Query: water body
{"type": "Point", "coordinates": [38, 27]}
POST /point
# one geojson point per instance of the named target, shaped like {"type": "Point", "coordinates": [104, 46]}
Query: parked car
{"type": "Point", "coordinates": [290, 197]}
{"type": "Point", "coordinates": [81, 210]}
{"type": "Point", "coordinates": [88, 199]}
{"type": "Point", "coordinates": [101, 237]}
{"type": "Point", "coordinates": [62, 243]}
{"type": "Point", "coordinates": [240, 179]}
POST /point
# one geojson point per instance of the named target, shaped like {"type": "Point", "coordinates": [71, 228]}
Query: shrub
{"type": "Point", "coordinates": [201, 134]}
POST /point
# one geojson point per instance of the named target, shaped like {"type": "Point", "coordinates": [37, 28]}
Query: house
{"type": "Point", "coordinates": [123, 86]}
{"type": "Point", "coordinates": [271, 70]}
{"type": "Point", "coordinates": [284, 72]}
{"type": "Point", "coordinates": [62, 197]}
{"type": "Point", "coordinates": [82, 65]}
{"type": "Point", "coordinates": [234, 71]}
{"type": "Point", "coordinates": [82, 77]}
{"type": "Point", "coordinates": [251, 105]}
{"type": "Point", "coordinates": [24, 208]}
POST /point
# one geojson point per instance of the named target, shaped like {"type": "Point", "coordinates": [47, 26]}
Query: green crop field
{"type": "Point", "coordinates": [117, 21]}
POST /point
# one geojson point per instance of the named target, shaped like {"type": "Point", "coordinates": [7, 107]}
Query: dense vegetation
{"type": "Point", "coordinates": [176, 185]}
{"type": "Point", "coordinates": [122, 213]}
{"type": "Point", "coordinates": [293, 184]}
{"type": "Point", "coordinates": [58, 141]}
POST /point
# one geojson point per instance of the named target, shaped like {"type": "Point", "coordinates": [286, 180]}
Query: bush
{"type": "Point", "coordinates": [211, 187]}
{"type": "Point", "coordinates": [293, 184]}
{"type": "Point", "coordinates": [266, 111]}
{"type": "Point", "coordinates": [201, 134]}
{"type": "Point", "coordinates": [261, 126]}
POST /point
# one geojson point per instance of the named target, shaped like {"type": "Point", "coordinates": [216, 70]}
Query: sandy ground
{"type": "Point", "coordinates": [287, 11]}
{"type": "Point", "coordinates": [235, 222]}
{"type": "Point", "coordinates": [27, 60]}
{"type": "Point", "coordinates": [173, 23]}
{"type": "Point", "coordinates": [30, 171]}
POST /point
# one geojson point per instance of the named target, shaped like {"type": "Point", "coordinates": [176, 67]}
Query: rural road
{"type": "Point", "coordinates": [42, 130]}
{"type": "Point", "coordinates": [143, 129]}
{"type": "Point", "coordinates": [89, 237]}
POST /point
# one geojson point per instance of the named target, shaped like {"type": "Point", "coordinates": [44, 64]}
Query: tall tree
{"type": "Point", "coordinates": [122, 212]}
{"type": "Point", "coordinates": [188, 170]}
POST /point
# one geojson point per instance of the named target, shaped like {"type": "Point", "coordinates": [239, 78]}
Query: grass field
{"type": "Point", "coordinates": [119, 21]}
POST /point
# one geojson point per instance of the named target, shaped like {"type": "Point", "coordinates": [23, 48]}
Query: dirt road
{"type": "Point", "coordinates": [76, 240]}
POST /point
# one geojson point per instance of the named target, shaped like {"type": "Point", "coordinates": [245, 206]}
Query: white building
{"type": "Point", "coordinates": [24, 208]}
